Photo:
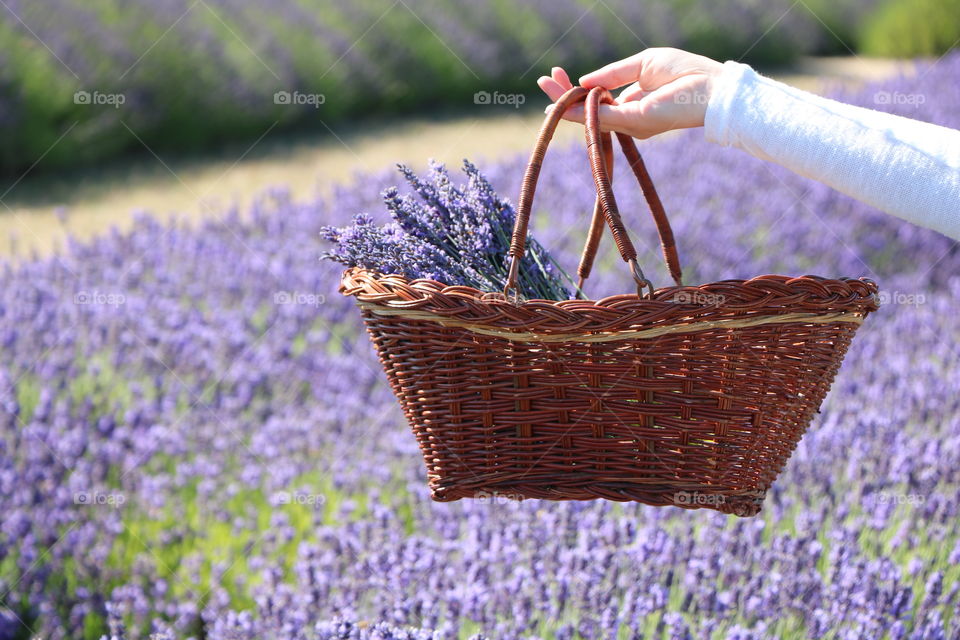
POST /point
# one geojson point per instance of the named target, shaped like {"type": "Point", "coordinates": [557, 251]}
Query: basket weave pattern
{"type": "Point", "coordinates": [653, 398]}
{"type": "Point", "coordinates": [699, 419]}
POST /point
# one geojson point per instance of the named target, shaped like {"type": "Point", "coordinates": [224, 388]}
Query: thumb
{"type": "Point", "coordinates": [613, 117]}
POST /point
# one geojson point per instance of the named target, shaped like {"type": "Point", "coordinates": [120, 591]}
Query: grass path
{"type": "Point", "coordinates": [97, 198]}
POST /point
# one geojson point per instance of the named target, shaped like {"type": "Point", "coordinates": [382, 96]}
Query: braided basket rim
{"type": "Point", "coordinates": [765, 295]}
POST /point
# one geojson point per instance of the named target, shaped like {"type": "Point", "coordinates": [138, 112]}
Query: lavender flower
{"type": "Point", "coordinates": [456, 234]}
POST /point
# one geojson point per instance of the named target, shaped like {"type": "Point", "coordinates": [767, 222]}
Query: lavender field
{"type": "Point", "coordinates": [82, 81]}
{"type": "Point", "coordinates": [197, 440]}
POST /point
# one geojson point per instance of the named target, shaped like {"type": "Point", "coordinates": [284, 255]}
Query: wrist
{"type": "Point", "coordinates": [725, 86]}
{"type": "Point", "coordinates": [711, 76]}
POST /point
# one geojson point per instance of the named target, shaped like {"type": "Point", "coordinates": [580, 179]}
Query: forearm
{"type": "Point", "coordinates": [904, 167]}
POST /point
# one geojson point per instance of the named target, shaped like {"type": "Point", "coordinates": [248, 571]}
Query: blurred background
{"type": "Point", "coordinates": [183, 107]}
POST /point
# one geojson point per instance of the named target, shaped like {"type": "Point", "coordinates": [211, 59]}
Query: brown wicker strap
{"type": "Point", "coordinates": [599, 148]}
{"type": "Point", "coordinates": [532, 174]}
{"type": "Point", "coordinates": [592, 337]}
{"type": "Point", "coordinates": [601, 180]}
{"type": "Point", "coordinates": [667, 244]}
{"type": "Point", "coordinates": [596, 221]}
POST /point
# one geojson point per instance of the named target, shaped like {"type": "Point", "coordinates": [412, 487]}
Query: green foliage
{"type": "Point", "coordinates": [206, 74]}
{"type": "Point", "coordinates": [910, 28]}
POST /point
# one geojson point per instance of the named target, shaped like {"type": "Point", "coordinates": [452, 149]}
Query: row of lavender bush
{"type": "Point", "coordinates": [196, 439]}
{"type": "Point", "coordinates": [81, 81]}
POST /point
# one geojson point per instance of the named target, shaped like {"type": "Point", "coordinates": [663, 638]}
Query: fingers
{"type": "Point", "coordinates": [556, 84]}
{"type": "Point", "coordinates": [573, 114]}
{"type": "Point", "coordinates": [632, 92]}
{"type": "Point", "coordinates": [550, 87]}
{"type": "Point", "coordinates": [662, 90]}
{"type": "Point", "coordinates": [612, 117]}
{"type": "Point", "coordinates": [561, 77]}
{"type": "Point", "coordinates": [650, 69]}
{"type": "Point", "coordinates": [616, 74]}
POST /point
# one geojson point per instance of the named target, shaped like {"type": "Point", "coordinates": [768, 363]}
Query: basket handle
{"type": "Point", "coordinates": [598, 146]}
{"type": "Point", "coordinates": [597, 220]}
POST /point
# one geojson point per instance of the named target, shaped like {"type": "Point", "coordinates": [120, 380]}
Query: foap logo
{"type": "Point", "coordinates": [696, 498]}
{"type": "Point", "coordinates": [98, 499]}
{"type": "Point", "coordinates": [691, 97]}
{"type": "Point", "coordinates": [897, 97]}
{"type": "Point", "coordinates": [99, 298]}
{"type": "Point", "coordinates": [297, 498]}
{"type": "Point", "coordinates": [114, 100]}
{"type": "Point", "coordinates": [901, 298]}
{"type": "Point", "coordinates": [299, 297]}
{"type": "Point", "coordinates": [494, 497]}
{"type": "Point", "coordinates": [514, 100]}
{"type": "Point", "coordinates": [896, 498]}
{"type": "Point", "coordinates": [514, 297]}
{"type": "Point", "coordinates": [701, 298]}
{"type": "Point", "coordinates": [297, 98]}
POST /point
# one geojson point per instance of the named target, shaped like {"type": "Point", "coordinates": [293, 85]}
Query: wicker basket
{"type": "Point", "coordinates": [693, 396]}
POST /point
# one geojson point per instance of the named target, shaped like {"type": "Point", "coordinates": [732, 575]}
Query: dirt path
{"type": "Point", "coordinates": [99, 198]}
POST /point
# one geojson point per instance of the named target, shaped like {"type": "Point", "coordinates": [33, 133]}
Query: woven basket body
{"type": "Point", "coordinates": [686, 396]}
{"type": "Point", "coordinates": [702, 413]}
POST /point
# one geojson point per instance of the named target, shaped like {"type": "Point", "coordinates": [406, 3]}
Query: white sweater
{"type": "Point", "coordinates": [905, 167]}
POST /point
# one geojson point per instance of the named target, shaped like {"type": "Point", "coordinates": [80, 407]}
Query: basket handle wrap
{"type": "Point", "coordinates": [601, 175]}
{"type": "Point", "coordinates": [532, 174]}
{"type": "Point", "coordinates": [668, 245]}
{"type": "Point", "coordinates": [599, 148]}
{"type": "Point", "coordinates": [596, 221]}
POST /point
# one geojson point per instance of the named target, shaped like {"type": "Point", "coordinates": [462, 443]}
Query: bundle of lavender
{"type": "Point", "coordinates": [455, 234]}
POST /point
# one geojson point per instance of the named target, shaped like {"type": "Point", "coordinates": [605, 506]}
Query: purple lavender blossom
{"type": "Point", "coordinates": [456, 234]}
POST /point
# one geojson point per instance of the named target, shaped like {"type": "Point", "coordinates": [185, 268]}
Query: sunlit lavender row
{"type": "Point", "coordinates": [197, 440]}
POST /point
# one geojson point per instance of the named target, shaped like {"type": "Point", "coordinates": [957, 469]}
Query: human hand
{"type": "Point", "coordinates": [668, 89]}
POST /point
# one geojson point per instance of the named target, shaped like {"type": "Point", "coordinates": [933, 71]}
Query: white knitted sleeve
{"type": "Point", "coordinates": [905, 167]}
